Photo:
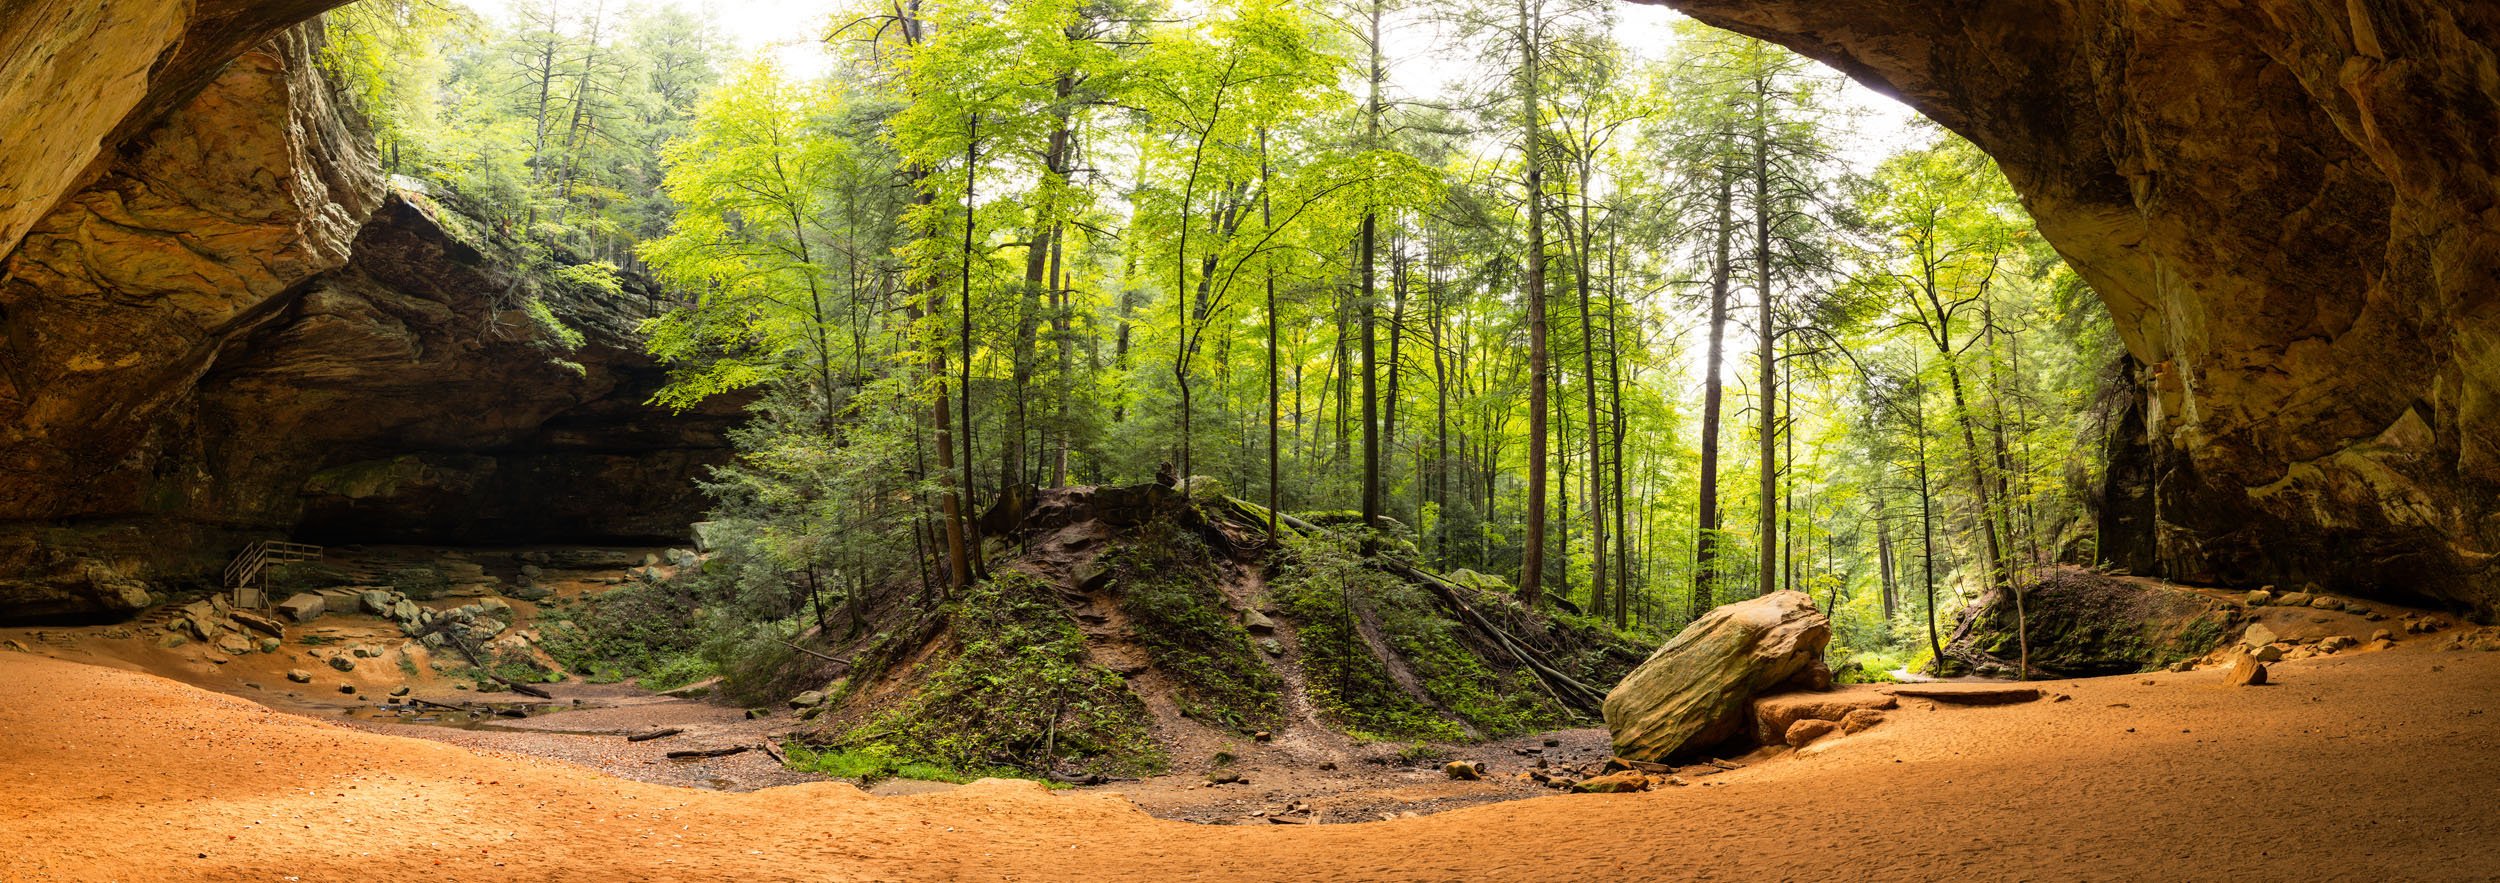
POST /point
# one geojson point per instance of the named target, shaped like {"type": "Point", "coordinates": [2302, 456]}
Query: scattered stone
{"type": "Point", "coordinates": [365, 651]}
{"type": "Point", "coordinates": [170, 641]}
{"type": "Point", "coordinates": [809, 699]}
{"type": "Point", "coordinates": [2258, 598]}
{"type": "Point", "coordinates": [1327, 765]}
{"type": "Point", "coordinates": [2296, 599]}
{"type": "Point", "coordinates": [2245, 671]}
{"type": "Point", "coordinates": [303, 607]}
{"type": "Point", "coordinates": [342, 662]}
{"type": "Point", "coordinates": [758, 713]}
{"type": "Point", "coordinates": [2380, 644]}
{"type": "Point", "coordinates": [1226, 777]}
{"type": "Point", "coordinates": [299, 676]}
{"type": "Point", "coordinates": [1262, 736]}
{"type": "Point", "coordinates": [1257, 622]}
{"type": "Point", "coordinates": [402, 691]}
{"type": "Point", "coordinates": [1859, 721]}
{"type": "Point", "coordinates": [1804, 732]}
{"type": "Point", "coordinates": [2383, 635]}
{"type": "Point", "coordinates": [1553, 743]}
{"type": "Point", "coordinates": [1698, 689]}
{"type": "Point", "coordinates": [682, 559]}
{"type": "Point", "coordinates": [1626, 782]}
{"type": "Point", "coordinates": [2258, 635]}
{"type": "Point", "coordinates": [2269, 653]}
{"type": "Point", "coordinates": [347, 688]}
{"type": "Point", "coordinates": [533, 592]}
{"type": "Point", "coordinates": [1463, 770]}
{"type": "Point", "coordinates": [2326, 603]}
{"type": "Point", "coordinates": [2338, 642]}
{"type": "Point", "coordinates": [235, 645]}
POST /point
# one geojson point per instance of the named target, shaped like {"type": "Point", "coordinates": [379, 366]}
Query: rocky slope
{"type": "Point", "coordinates": [2292, 209]}
{"type": "Point", "coordinates": [238, 329]}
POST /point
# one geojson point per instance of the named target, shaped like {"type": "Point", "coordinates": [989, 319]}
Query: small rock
{"type": "Point", "coordinates": [343, 662]}
{"type": "Point", "coordinates": [2269, 653]}
{"type": "Point", "coordinates": [2380, 644]}
{"type": "Point", "coordinates": [1226, 777]}
{"type": "Point", "coordinates": [170, 641]}
{"type": "Point", "coordinates": [1327, 764]}
{"type": "Point", "coordinates": [1463, 770]}
{"type": "Point", "coordinates": [2245, 671]}
{"type": "Point", "coordinates": [2383, 635]}
{"type": "Point", "coordinates": [1270, 646]}
{"type": "Point", "coordinates": [1804, 732]}
{"type": "Point", "coordinates": [533, 592]}
{"type": "Point", "coordinates": [347, 688]}
{"type": "Point", "coordinates": [299, 676]}
{"type": "Point", "coordinates": [365, 651]}
{"type": "Point", "coordinates": [402, 691]}
{"type": "Point", "coordinates": [758, 713]}
{"type": "Point", "coordinates": [235, 645]}
{"type": "Point", "coordinates": [2258, 635]}
{"type": "Point", "coordinates": [2296, 599]}
{"type": "Point", "coordinates": [2258, 598]}
{"type": "Point", "coordinates": [2325, 603]}
{"type": "Point", "coordinates": [809, 699]}
{"type": "Point", "coordinates": [1553, 743]}
{"type": "Point", "coordinates": [1257, 622]}
{"type": "Point", "coordinates": [1262, 736]}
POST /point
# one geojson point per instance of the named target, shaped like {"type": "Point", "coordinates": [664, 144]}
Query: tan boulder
{"type": "Point", "coordinates": [1694, 691]}
{"type": "Point", "coordinates": [1773, 714]}
{"type": "Point", "coordinates": [1625, 782]}
{"type": "Point", "coordinates": [2245, 671]}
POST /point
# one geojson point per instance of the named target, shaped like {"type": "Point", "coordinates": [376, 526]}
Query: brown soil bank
{"type": "Point", "coordinates": [2369, 767]}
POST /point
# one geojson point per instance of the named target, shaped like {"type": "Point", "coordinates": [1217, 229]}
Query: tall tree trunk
{"type": "Point", "coordinates": [1713, 396]}
{"type": "Point", "coordinates": [1532, 558]}
{"type": "Point", "coordinates": [1765, 335]}
{"type": "Point", "coordinates": [1597, 439]}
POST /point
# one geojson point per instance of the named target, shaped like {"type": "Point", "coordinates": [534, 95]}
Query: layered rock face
{"type": "Point", "coordinates": [2292, 209]}
{"type": "Point", "coordinates": [236, 330]}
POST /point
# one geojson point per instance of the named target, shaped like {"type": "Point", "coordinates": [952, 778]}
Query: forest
{"type": "Point", "coordinates": [1634, 322]}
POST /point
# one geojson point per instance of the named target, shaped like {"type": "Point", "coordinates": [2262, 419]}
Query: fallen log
{"type": "Point", "coordinates": [688, 753]}
{"type": "Point", "coordinates": [1969, 695]}
{"type": "Point", "coordinates": [774, 752]}
{"type": "Point", "coordinates": [654, 734]}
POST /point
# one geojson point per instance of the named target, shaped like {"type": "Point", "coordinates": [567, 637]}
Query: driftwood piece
{"type": "Point", "coordinates": [686, 753]}
{"type": "Point", "coordinates": [654, 734]}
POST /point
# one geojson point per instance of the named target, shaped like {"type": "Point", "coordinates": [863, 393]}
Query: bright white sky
{"type": "Point", "coordinates": [792, 33]}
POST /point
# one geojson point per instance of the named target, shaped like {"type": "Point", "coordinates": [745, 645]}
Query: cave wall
{"type": "Point", "coordinates": [2292, 210]}
{"type": "Point", "coordinates": [232, 327]}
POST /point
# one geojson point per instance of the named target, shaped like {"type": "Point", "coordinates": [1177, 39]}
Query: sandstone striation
{"type": "Point", "coordinates": [2292, 209]}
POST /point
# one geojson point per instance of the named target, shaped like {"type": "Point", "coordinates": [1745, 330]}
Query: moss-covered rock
{"type": "Point", "coordinates": [2083, 623]}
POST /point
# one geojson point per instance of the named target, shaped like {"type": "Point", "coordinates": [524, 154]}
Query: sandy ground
{"type": "Point", "coordinates": [2364, 767]}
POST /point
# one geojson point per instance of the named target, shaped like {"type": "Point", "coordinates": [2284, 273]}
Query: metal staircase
{"type": "Point", "coordinates": [248, 577]}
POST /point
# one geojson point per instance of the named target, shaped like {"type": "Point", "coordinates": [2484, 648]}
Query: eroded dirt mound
{"type": "Point", "coordinates": [1138, 631]}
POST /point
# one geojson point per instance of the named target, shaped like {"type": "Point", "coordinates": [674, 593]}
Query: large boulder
{"type": "Point", "coordinates": [1694, 691]}
{"type": "Point", "coordinates": [2083, 623]}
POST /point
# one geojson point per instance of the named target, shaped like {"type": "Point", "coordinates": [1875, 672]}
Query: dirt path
{"type": "Point", "coordinates": [2376, 766]}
